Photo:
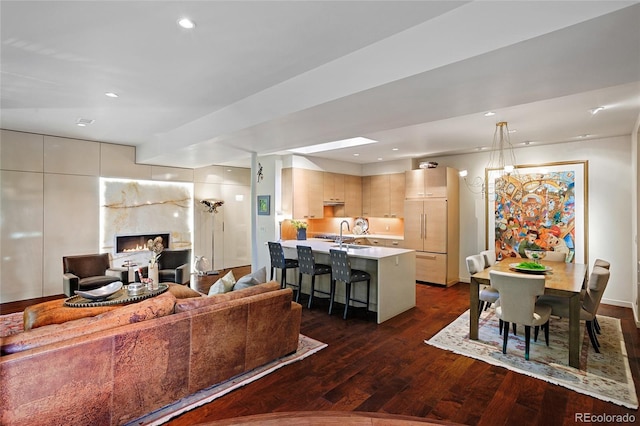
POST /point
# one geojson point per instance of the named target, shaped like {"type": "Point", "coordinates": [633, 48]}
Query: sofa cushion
{"type": "Point", "coordinates": [223, 285]}
{"type": "Point", "coordinates": [254, 278]}
{"type": "Point", "coordinates": [199, 302]}
{"type": "Point", "coordinates": [183, 292]}
{"type": "Point", "coordinates": [136, 312]}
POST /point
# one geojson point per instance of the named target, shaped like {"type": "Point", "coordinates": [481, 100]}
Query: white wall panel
{"type": "Point", "coordinates": [237, 225]}
{"type": "Point", "coordinates": [204, 221]}
{"type": "Point", "coordinates": [71, 156]}
{"type": "Point", "coordinates": [211, 174]}
{"type": "Point", "coordinates": [21, 151]}
{"type": "Point", "coordinates": [71, 223]}
{"type": "Point", "coordinates": [21, 232]}
{"type": "Point", "coordinates": [119, 161]}
{"type": "Point", "coordinates": [174, 174]}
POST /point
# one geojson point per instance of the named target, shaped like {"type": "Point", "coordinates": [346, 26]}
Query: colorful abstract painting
{"type": "Point", "coordinates": [538, 208]}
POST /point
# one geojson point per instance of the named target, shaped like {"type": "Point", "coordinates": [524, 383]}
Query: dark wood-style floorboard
{"type": "Point", "coordinates": [387, 368]}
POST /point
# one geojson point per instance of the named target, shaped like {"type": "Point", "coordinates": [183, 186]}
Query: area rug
{"type": "Point", "coordinates": [606, 375]}
{"type": "Point", "coordinates": [306, 347]}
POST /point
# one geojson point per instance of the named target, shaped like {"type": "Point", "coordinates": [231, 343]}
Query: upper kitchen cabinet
{"type": "Point", "coordinates": [352, 206]}
{"type": "Point", "coordinates": [427, 183]}
{"type": "Point", "coordinates": [386, 195]}
{"type": "Point", "coordinates": [302, 193]}
{"type": "Point", "coordinates": [334, 188]}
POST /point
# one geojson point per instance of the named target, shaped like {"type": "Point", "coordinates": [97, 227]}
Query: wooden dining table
{"type": "Point", "coordinates": [564, 280]}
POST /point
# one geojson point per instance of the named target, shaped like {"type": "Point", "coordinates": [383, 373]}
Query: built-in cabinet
{"type": "Point", "coordinates": [352, 206]}
{"type": "Point", "coordinates": [380, 242]}
{"type": "Point", "coordinates": [431, 223]}
{"type": "Point", "coordinates": [384, 195]}
{"type": "Point", "coordinates": [334, 188]}
{"type": "Point", "coordinates": [303, 193]}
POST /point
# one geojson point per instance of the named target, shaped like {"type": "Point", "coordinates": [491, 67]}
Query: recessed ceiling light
{"type": "Point", "coordinates": [489, 114]}
{"type": "Point", "coordinates": [379, 158]}
{"type": "Point", "coordinates": [111, 94]}
{"type": "Point", "coordinates": [186, 23]}
{"type": "Point", "coordinates": [596, 110]}
{"type": "Point", "coordinates": [356, 155]}
{"type": "Point", "coordinates": [584, 136]}
{"type": "Point", "coordinates": [328, 146]}
{"type": "Point", "coordinates": [527, 143]}
{"type": "Point", "coordinates": [84, 122]}
{"type": "Point", "coordinates": [482, 148]}
{"type": "Point", "coordinates": [394, 149]}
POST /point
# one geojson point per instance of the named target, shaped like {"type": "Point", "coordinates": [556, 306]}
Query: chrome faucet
{"type": "Point", "coordinates": [347, 223]}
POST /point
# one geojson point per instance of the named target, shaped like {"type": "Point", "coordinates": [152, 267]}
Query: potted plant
{"type": "Point", "coordinates": [301, 229]}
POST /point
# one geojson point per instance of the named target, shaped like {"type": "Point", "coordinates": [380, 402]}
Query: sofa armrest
{"type": "Point", "coordinates": [69, 283]}
{"type": "Point", "coordinates": [183, 274]}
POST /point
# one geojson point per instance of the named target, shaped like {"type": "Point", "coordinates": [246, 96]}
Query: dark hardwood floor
{"type": "Point", "coordinates": [387, 368]}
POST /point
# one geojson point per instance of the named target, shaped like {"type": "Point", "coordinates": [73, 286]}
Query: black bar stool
{"type": "Point", "coordinates": [308, 266]}
{"type": "Point", "coordinates": [341, 271]}
{"type": "Point", "coordinates": [278, 261]}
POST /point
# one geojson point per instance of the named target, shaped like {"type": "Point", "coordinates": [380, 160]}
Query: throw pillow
{"type": "Point", "coordinates": [223, 285]}
{"type": "Point", "coordinates": [254, 278]}
{"type": "Point", "coordinates": [182, 291]}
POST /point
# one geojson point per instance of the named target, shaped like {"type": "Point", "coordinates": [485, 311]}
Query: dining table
{"type": "Point", "coordinates": [561, 279]}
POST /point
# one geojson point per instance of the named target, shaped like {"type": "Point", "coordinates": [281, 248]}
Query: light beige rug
{"type": "Point", "coordinates": [606, 375]}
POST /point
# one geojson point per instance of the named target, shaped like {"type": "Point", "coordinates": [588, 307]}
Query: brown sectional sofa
{"type": "Point", "coordinates": [122, 364]}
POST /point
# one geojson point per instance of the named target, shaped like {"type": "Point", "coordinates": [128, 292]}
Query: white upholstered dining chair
{"type": "Point", "coordinates": [519, 305]}
{"type": "Point", "coordinates": [488, 295]}
{"type": "Point", "coordinates": [590, 303]}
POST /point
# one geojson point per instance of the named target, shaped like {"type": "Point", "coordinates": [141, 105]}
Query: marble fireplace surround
{"type": "Point", "coordinates": [141, 210]}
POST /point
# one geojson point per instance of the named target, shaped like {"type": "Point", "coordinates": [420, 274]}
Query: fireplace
{"type": "Point", "coordinates": [138, 242]}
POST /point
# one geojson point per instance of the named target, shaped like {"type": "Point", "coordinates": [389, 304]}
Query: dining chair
{"type": "Point", "coordinates": [278, 261]}
{"type": "Point", "coordinates": [555, 256]}
{"type": "Point", "coordinates": [487, 295]}
{"type": "Point", "coordinates": [341, 271]}
{"type": "Point", "coordinates": [606, 265]}
{"type": "Point", "coordinates": [489, 257]}
{"type": "Point", "coordinates": [595, 288]}
{"type": "Point", "coordinates": [519, 305]}
{"type": "Point", "coordinates": [308, 266]}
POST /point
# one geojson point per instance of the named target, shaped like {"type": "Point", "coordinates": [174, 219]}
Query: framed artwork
{"type": "Point", "coordinates": [264, 205]}
{"type": "Point", "coordinates": [541, 206]}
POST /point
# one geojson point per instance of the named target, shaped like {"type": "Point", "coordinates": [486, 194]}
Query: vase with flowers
{"type": "Point", "coordinates": [156, 247]}
{"type": "Point", "coordinates": [301, 229]}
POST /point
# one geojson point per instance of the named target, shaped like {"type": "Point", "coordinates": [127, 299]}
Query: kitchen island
{"type": "Point", "coordinates": [393, 274]}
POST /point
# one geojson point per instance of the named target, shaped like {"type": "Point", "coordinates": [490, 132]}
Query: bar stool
{"type": "Point", "coordinates": [308, 266]}
{"type": "Point", "coordinates": [278, 261]}
{"type": "Point", "coordinates": [341, 271]}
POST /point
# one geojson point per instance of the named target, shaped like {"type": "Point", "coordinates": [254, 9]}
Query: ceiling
{"type": "Point", "coordinates": [268, 76]}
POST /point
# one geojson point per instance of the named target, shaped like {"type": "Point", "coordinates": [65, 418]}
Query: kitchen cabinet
{"type": "Point", "coordinates": [352, 206]}
{"type": "Point", "coordinates": [426, 183]}
{"type": "Point", "coordinates": [431, 227]}
{"type": "Point", "coordinates": [302, 193]}
{"type": "Point", "coordinates": [387, 195]}
{"type": "Point", "coordinates": [366, 196]}
{"type": "Point", "coordinates": [334, 188]}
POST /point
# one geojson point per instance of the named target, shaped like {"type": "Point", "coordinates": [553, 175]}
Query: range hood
{"type": "Point", "coordinates": [333, 203]}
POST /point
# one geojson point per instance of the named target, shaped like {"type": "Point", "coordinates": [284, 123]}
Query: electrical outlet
{"type": "Point", "coordinates": [386, 228]}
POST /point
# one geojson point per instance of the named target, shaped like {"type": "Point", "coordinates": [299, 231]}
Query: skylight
{"type": "Point", "coordinates": [329, 146]}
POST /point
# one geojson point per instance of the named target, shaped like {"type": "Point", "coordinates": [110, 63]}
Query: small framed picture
{"type": "Point", "coordinates": [264, 205]}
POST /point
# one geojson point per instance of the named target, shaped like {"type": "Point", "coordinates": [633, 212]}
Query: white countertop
{"type": "Point", "coordinates": [365, 252]}
{"type": "Point", "coordinates": [375, 236]}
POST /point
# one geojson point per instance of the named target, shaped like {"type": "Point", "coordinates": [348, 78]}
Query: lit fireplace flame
{"type": "Point", "coordinates": [136, 248]}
